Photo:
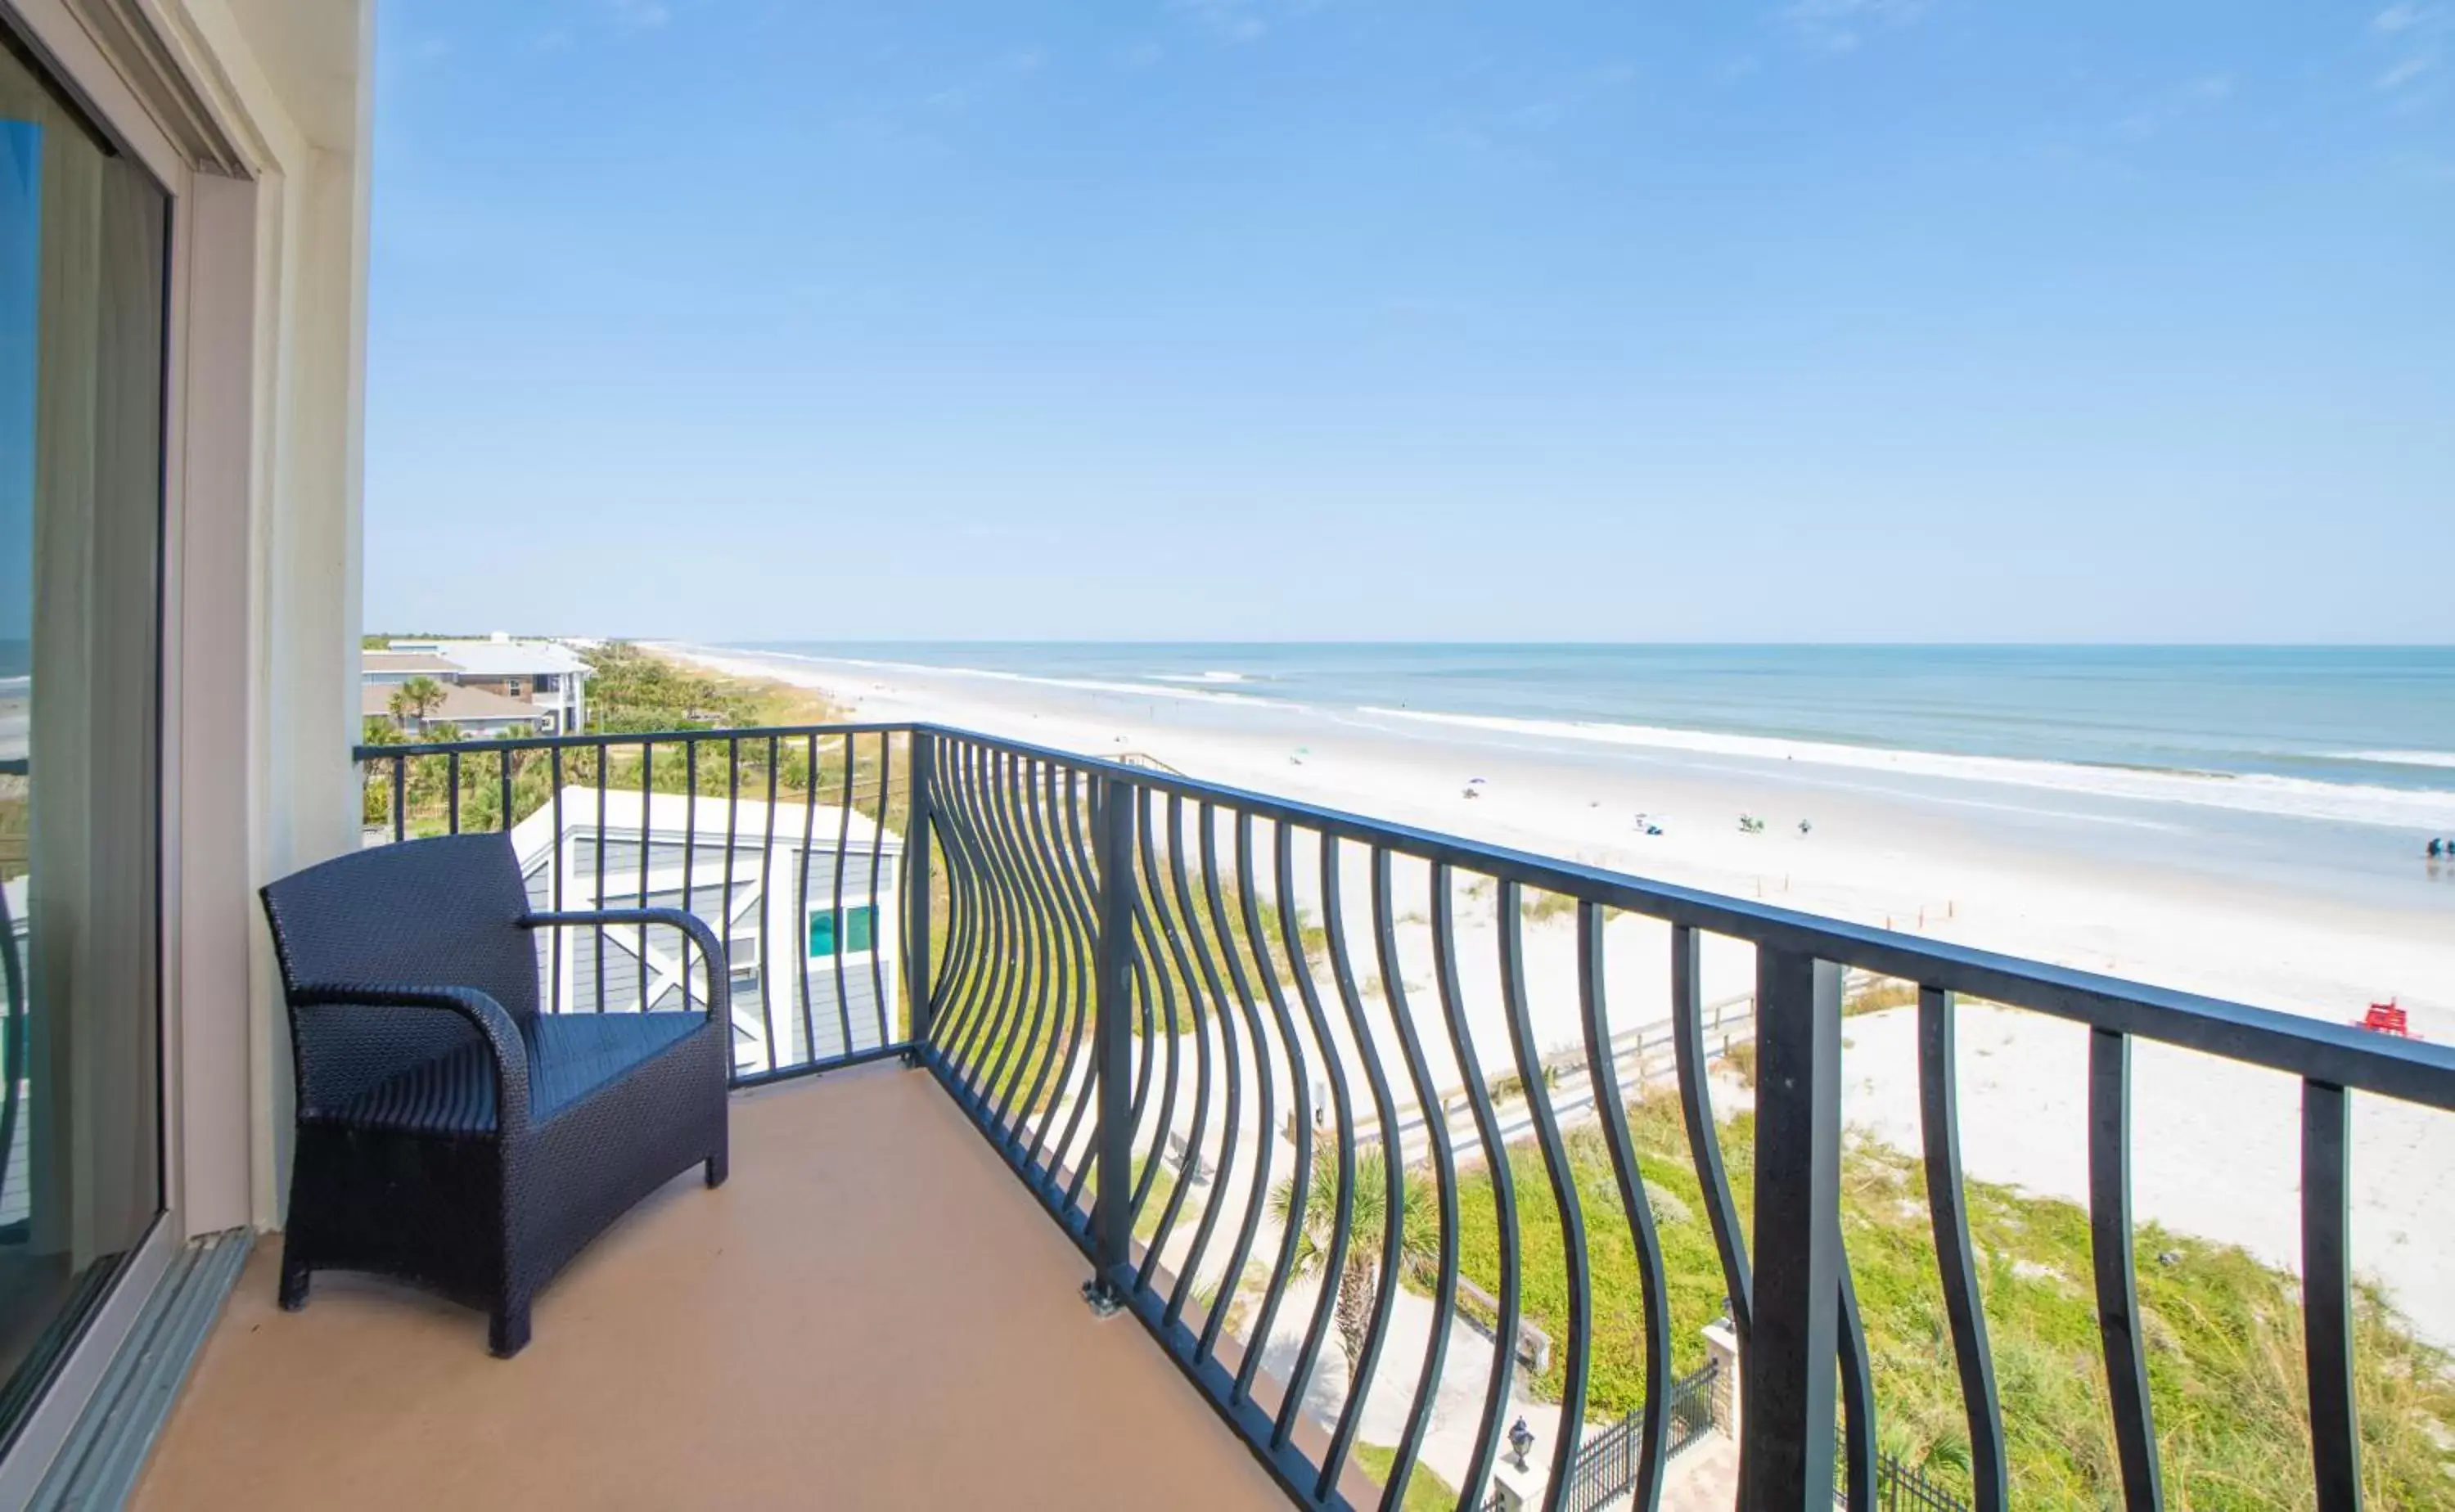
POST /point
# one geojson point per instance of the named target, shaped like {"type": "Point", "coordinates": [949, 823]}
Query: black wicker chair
{"type": "Point", "coordinates": [448, 1133]}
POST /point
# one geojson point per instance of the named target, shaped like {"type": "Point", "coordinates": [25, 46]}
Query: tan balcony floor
{"type": "Point", "coordinates": [872, 1313]}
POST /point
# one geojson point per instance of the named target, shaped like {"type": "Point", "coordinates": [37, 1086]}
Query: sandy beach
{"type": "Point", "coordinates": [2215, 1145]}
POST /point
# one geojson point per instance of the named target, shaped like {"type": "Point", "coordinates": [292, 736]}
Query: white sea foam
{"type": "Point", "coordinates": [2256, 793]}
{"type": "Point", "coordinates": [1201, 676]}
{"type": "Point", "coordinates": [1143, 689]}
{"type": "Point", "coordinates": [2401, 758]}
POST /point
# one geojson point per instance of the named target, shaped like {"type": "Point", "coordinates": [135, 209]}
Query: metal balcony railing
{"type": "Point", "coordinates": [1184, 1015]}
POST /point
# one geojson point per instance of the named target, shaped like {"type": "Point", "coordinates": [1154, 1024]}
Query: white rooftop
{"type": "Point", "coordinates": [501, 657]}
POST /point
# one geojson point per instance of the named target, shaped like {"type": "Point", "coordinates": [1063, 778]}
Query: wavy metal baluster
{"type": "Point", "coordinates": [1076, 924]}
{"type": "Point", "coordinates": [2328, 1295]}
{"type": "Point", "coordinates": [1564, 1191]}
{"type": "Point", "coordinates": [1012, 957]}
{"type": "Point", "coordinates": [1393, 1163]}
{"type": "Point", "coordinates": [598, 899]}
{"type": "Point", "coordinates": [1611, 1104]}
{"type": "Point", "coordinates": [766, 881]}
{"type": "Point", "coordinates": [1069, 982]}
{"type": "Point", "coordinates": [880, 909]}
{"type": "Point", "coordinates": [1148, 988]}
{"type": "Point", "coordinates": [1258, 1190]}
{"type": "Point", "coordinates": [947, 988]}
{"type": "Point", "coordinates": [1504, 1184]}
{"type": "Point", "coordinates": [1011, 960]}
{"type": "Point", "coordinates": [1037, 972]}
{"type": "Point", "coordinates": [1857, 1399]}
{"type": "Point", "coordinates": [1085, 999]}
{"type": "Point", "coordinates": [647, 806]}
{"type": "Point", "coordinates": [2118, 1298]}
{"type": "Point", "coordinates": [1086, 868]}
{"type": "Point", "coordinates": [562, 859]}
{"type": "Point", "coordinates": [1947, 1206]}
{"type": "Point", "coordinates": [1209, 988]}
{"type": "Point", "coordinates": [1300, 1091]}
{"type": "Point", "coordinates": [843, 936]}
{"type": "Point", "coordinates": [1436, 1131]}
{"type": "Point", "coordinates": [1696, 1111]}
{"type": "Point", "coordinates": [800, 946]}
{"type": "Point", "coordinates": [985, 976]}
{"type": "Point", "coordinates": [1149, 901]}
{"type": "Point", "coordinates": [690, 854]}
{"type": "Point", "coordinates": [1342, 1144]}
{"type": "Point", "coordinates": [951, 1020]}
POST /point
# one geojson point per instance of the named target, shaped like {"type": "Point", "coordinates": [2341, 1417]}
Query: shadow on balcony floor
{"type": "Point", "coordinates": [872, 1313]}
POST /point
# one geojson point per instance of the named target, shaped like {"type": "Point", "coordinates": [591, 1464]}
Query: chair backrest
{"type": "Point", "coordinates": [439, 912]}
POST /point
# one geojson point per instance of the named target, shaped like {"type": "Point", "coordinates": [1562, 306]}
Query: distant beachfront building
{"type": "Point", "coordinates": [545, 677]}
{"type": "Point", "coordinates": [805, 897]}
{"type": "Point", "coordinates": [477, 714]}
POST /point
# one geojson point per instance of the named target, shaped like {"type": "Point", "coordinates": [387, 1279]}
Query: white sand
{"type": "Point", "coordinates": [2215, 1145]}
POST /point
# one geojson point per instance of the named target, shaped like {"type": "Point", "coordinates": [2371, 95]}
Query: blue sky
{"type": "Point", "coordinates": [1827, 319]}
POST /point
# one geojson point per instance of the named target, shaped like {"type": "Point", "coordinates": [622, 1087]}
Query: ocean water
{"type": "Point", "coordinates": [2378, 718]}
{"type": "Point", "coordinates": [2319, 770]}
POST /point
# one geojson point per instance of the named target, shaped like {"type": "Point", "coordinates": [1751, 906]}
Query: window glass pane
{"type": "Point", "coordinates": [83, 234]}
{"type": "Point", "coordinates": [860, 927]}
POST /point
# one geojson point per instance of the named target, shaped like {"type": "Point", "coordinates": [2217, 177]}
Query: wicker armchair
{"type": "Point", "coordinates": [449, 1133]}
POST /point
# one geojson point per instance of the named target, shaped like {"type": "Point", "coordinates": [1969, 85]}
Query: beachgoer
{"type": "Point", "coordinates": [2435, 850]}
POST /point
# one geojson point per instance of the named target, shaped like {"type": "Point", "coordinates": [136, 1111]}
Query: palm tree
{"type": "Point", "coordinates": [1359, 1273]}
{"type": "Point", "coordinates": [417, 699]}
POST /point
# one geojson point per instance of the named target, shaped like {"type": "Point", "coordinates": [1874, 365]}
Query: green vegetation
{"type": "Point", "coordinates": [634, 692]}
{"type": "Point", "coordinates": [1426, 1490]}
{"type": "Point", "coordinates": [2223, 1330]}
{"type": "Point", "coordinates": [1359, 1277]}
{"type": "Point", "coordinates": [1147, 1221]}
{"type": "Point", "coordinates": [641, 693]}
{"type": "Point", "coordinates": [1540, 907]}
{"type": "Point", "coordinates": [414, 699]}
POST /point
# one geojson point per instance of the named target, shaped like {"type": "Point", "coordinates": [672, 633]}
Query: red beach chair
{"type": "Point", "coordinates": [2387, 1019]}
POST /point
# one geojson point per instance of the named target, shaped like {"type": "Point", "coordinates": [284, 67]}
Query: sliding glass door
{"type": "Point", "coordinates": [84, 235]}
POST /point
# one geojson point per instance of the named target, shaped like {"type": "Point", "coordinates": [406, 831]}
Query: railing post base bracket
{"type": "Point", "coordinates": [1102, 1297]}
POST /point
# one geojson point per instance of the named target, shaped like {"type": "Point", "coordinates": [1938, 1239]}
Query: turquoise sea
{"type": "Point", "coordinates": [2379, 716]}
{"type": "Point", "coordinates": [2315, 766]}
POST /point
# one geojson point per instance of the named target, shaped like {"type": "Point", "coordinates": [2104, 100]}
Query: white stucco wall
{"type": "Point", "coordinates": [263, 546]}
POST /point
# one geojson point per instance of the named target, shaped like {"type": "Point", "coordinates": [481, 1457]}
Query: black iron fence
{"type": "Point", "coordinates": [1101, 963]}
{"type": "Point", "coordinates": [1903, 1489]}
{"type": "Point", "coordinates": [1606, 1461]}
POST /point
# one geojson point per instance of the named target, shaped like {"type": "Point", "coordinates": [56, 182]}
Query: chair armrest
{"type": "Point", "coordinates": [720, 966]}
{"type": "Point", "coordinates": [483, 1013]}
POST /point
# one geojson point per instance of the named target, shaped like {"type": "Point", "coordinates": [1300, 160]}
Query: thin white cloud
{"type": "Point", "coordinates": [637, 15]}
{"type": "Point", "coordinates": [2195, 97]}
{"type": "Point", "coordinates": [2404, 75]}
{"type": "Point", "coordinates": [1236, 20]}
{"type": "Point", "coordinates": [1840, 25]}
{"type": "Point", "coordinates": [1241, 20]}
{"type": "Point", "coordinates": [2412, 39]}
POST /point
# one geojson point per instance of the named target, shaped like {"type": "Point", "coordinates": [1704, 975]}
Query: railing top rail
{"type": "Point", "coordinates": [620, 737]}
{"type": "Point", "coordinates": [2336, 1054]}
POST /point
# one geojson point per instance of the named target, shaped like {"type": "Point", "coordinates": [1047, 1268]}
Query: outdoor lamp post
{"type": "Point", "coordinates": [1521, 1438]}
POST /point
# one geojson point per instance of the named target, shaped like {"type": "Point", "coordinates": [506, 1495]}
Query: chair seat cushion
{"type": "Point", "coordinates": [570, 1055]}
